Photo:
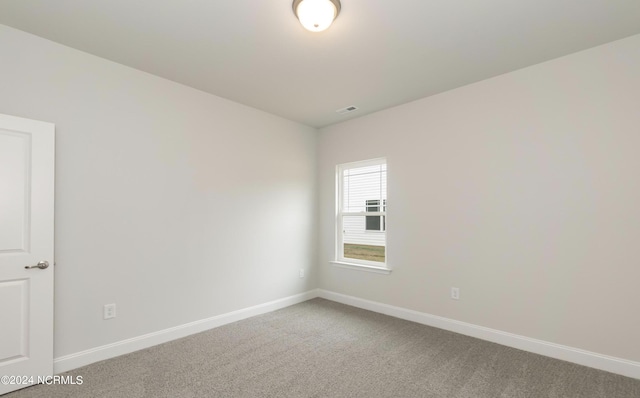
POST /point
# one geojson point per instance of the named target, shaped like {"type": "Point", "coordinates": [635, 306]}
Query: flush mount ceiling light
{"type": "Point", "coordinates": [316, 15]}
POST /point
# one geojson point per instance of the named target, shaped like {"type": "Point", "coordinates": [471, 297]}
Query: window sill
{"type": "Point", "coordinates": [361, 267]}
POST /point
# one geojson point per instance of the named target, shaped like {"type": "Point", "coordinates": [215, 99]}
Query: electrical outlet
{"type": "Point", "coordinates": [455, 293]}
{"type": "Point", "coordinates": [301, 272]}
{"type": "Point", "coordinates": [109, 311]}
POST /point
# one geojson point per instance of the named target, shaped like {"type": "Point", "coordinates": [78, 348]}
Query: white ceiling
{"type": "Point", "coordinates": [378, 53]}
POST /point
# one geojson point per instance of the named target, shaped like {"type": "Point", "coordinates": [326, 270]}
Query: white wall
{"type": "Point", "coordinates": [522, 190]}
{"type": "Point", "coordinates": [175, 204]}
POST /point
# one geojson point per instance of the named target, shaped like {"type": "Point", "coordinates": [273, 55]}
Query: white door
{"type": "Point", "coordinates": [26, 239]}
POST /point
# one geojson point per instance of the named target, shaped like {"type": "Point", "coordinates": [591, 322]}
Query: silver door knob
{"type": "Point", "coordinates": [41, 265]}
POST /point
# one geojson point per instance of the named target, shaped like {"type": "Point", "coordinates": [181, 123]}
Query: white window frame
{"type": "Point", "coordinates": [340, 260]}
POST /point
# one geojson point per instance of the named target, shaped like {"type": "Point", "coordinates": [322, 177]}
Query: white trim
{"type": "Point", "coordinates": [76, 360]}
{"type": "Point", "coordinates": [361, 267]}
{"type": "Point", "coordinates": [363, 163]}
{"type": "Point", "coordinates": [582, 357]}
{"type": "Point", "coordinates": [364, 214]}
{"type": "Point", "coordinates": [607, 363]}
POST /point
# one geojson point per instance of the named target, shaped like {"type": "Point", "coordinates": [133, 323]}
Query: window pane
{"type": "Point", "coordinates": [358, 243]}
{"type": "Point", "coordinates": [362, 185]}
{"type": "Point", "coordinates": [373, 222]}
{"type": "Point", "coordinates": [373, 205]}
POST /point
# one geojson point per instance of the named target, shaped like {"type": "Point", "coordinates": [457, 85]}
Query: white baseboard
{"type": "Point", "coordinates": [591, 359]}
{"type": "Point", "coordinates": [582, 357]}
{"type": "Point", "coordinates": [73, 361]}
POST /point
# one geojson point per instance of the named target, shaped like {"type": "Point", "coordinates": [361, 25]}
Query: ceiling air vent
{"type": "Point", "coordinates": [346, 110]}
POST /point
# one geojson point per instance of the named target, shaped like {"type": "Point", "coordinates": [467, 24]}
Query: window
{"type": "Point", "coordinates": [375, 223]}
{"type": "Point", "coordinates": [361, 213]}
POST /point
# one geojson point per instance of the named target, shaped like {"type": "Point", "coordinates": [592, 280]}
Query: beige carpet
{"type": "Point", "coordinates": [324, 349]}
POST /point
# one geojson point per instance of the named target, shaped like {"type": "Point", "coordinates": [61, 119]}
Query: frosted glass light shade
{"type": "Point", "coordinates": [316, 15]}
